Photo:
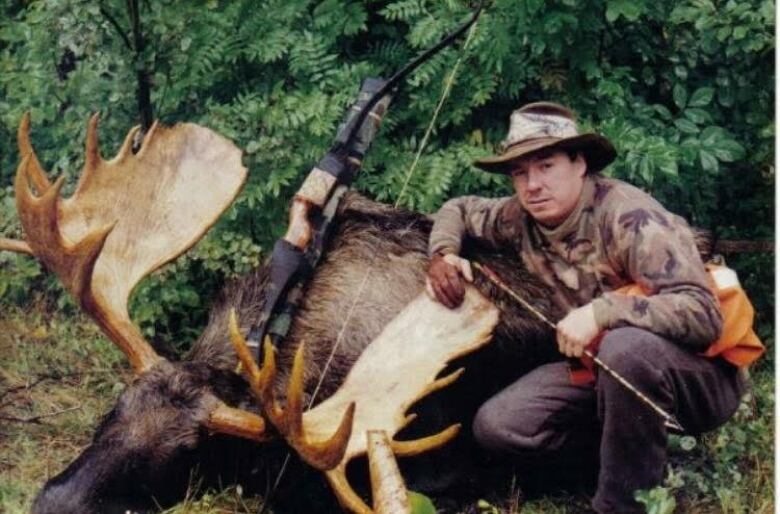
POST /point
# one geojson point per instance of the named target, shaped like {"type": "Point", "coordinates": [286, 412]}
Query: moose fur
{"type": "Point", "coordinates": [147, 449]}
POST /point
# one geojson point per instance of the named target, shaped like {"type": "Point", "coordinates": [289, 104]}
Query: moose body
{"type": "Point", "coordinates": [145, 451]}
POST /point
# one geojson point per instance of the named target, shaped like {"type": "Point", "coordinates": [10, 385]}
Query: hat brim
{"type": "Point", "coordinates": [597, 149]}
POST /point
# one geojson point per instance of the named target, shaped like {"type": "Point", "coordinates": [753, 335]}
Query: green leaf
{"type": "Point", "coordinates": [663, 111]}
{"type": "Point", "coordinates": [712, 136]}
{"type": "Point", "coordinates": [687, 443]}
{"type": "Point", "coordinates": [486, 507]}
{"type": "Point", "coordinates": [697, 116]}
{"type": "Point", "coordinates": [739, 33]}
{"type": "Point", "coordinates": [629, 9]}
{"type": "Point", "coordinates": [729, 151]}
{"type": "Point", "coordinates": [657, 501]}
{"type": "Point", "coordinates": [708, 161]}
{"type": "Point", "coordinates": [669, 167]}
{"type": "Point", "coordinates": [420, 504]}
{"type": "Point", "coordinates": [701, 97]}
{"type": "Point", "coordinates": [686, 126]}
{"type": "Point", "coordinates": [680, 96]}
{"type": "Point", "coordinates": [252, 147]}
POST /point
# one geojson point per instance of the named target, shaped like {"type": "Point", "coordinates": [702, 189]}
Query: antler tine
{"type": "Point", "coordinates": [424, 444]}
{"type": "Point", "coordinates": [37, 175]}
{"type": "Point", "coordinates": [346, 495]}
{"type": "Point", "coordinates": [127, 146]}
{"type": "Point", "coordinates": [260, 379]}
{"type": "Point", "coordinates": [388, 490]}
{"type": "Point", "coordinates": [237, 422]}
{"type": "Point", "coordinates": [14, 245]}
{"type": "Point", "coordinates": [91, 148]}
{"type": "Point", "coordinates": [322, 455]}
{"type": "Point", "coordinates": [72, 263]}
{"type": "Point", "coordinates": [228, 420]}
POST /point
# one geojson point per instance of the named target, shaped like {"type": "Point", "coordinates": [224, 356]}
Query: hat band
{"type": "Point", "coordinates": [526, 125]}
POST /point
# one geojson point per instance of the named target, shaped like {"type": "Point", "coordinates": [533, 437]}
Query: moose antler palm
{"type": "Point", "coordinates": [127, 217]}
{"type": "Point", "coordinates": [394, 372]}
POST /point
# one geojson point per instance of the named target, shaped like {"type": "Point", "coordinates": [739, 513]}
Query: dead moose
{"type": "Point", "coordinates": [130, 215]}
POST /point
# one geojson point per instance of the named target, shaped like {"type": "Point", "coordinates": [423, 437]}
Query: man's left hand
{"type": "Point", "coordinates": [577, 330]}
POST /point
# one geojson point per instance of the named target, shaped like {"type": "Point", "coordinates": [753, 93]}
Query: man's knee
{"type": "Point", "coordinates": [516, 431]}
{"type": "Point", "coordinates": [630, 349]}
{"type": "Point", "coordinates": [488, 427]}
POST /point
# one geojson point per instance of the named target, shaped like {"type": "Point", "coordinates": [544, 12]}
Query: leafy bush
{"type": "Point", "coordinates": [683, 88]}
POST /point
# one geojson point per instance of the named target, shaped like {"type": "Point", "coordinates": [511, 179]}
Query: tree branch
{"type": "Point", "coordinates": [142, 74]}
{"type": "Point", "coordinates": [107, 15]}
{"type": "Point", "coordinates": [743, 246]}
{"type": "Point", "coordinates": [37, 418]}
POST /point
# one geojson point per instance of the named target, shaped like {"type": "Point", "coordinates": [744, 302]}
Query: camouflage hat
{"type": "Point", "coordinates": [547, 125]}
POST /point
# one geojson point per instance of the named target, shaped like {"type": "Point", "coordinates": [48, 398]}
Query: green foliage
{"type": "Point", "coordinates": [420, 504]}
{"type": "Point", "coordinates": [729, 469]}
{"type": "Point", "coordinates": [683, 89]}
{"type": "Point", "coordinates": [486, 507]}
{"type": "Point", "coordinates": [657, 501]}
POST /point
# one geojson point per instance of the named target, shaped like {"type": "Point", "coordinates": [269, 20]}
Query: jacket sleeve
{"type": "Point", "coordinates": [491, 221]}
{"type": "Point", "coordinates": [657, 251]}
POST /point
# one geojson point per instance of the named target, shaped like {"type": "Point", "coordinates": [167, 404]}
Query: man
{"type": "Point", "coordinates": [586, 236]}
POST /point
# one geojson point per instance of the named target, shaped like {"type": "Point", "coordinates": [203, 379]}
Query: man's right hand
{"type": "Point", "coordinates": [445, 279]}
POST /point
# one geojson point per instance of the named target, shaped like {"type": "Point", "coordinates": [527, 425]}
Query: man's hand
{"type": "Point", "coordinates": [445, 279]}
{"type": "Point", "coordinates": [577, 330]}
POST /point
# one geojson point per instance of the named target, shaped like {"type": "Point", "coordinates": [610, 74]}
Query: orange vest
{"type": "Point", "coordinates": [738, 344]}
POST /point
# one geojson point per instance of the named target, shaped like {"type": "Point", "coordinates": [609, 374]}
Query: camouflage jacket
{"type": "Point", "coordinates": [616, 235]}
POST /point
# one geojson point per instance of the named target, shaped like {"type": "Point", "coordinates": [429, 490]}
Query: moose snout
{"type": "Point", "coordinates": [60, 499]}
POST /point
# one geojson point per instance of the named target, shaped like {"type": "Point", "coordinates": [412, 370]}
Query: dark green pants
{"type": "Point", "coordinates": [542, 414]}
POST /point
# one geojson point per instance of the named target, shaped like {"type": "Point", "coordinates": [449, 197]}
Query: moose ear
{"type": "Point", "coordinates": [127, 217]}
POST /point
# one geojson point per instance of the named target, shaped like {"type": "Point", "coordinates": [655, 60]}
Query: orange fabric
{"type": "Point", "coordinates": [581, 371]}
{"type": "Point", "coordinates": [738, 344]}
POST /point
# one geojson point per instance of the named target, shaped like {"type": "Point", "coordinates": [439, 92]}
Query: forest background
{"type": "Point", "coordinates": [685, 90]}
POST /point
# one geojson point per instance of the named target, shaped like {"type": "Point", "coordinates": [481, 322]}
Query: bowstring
{"type": "Point", "coordinates": [448, 84]}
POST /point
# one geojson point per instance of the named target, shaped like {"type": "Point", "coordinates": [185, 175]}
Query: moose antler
{"type": "Point", "coordinates": [388, 490]}
{"type": "Point", "coordinates": [321, 454]}
{"type": "Point", "coordinates": [127, 217]}
{"type": "Point", "coordinates": [395, 371]}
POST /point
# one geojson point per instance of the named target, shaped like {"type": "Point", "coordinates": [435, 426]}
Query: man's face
{"type": "Point", "coordinates": [549, 184]}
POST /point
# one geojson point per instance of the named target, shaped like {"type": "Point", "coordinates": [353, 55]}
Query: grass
{"type": "Point", "coordinates": [229, 500]}
{"type": "Point", "coordinates": [59, 375]}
